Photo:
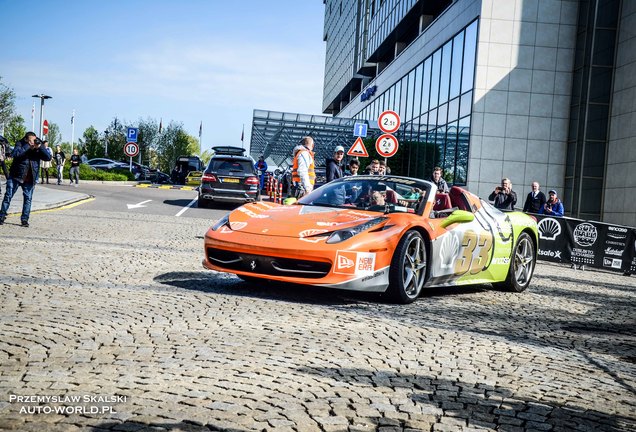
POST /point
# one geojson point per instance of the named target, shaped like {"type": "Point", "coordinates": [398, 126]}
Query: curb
{"type": "Point", "coordinates": [158, 186]}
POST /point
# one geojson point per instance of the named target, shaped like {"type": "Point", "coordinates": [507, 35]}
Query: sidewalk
{"type": "Point", "coordinates": [45, 197]}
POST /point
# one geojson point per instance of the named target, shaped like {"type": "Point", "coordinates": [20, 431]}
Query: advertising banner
{"type": "Point", "coordinates": [587, 243]}
{"type": "Point", "coordinates": [555, 239]}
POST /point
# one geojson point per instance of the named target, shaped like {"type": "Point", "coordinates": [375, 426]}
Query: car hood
{"type": "Point", "coordinates": [297, 221]}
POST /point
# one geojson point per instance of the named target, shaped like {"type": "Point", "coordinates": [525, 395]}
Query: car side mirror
{"type": "Point", "coordinates": [458, 216]}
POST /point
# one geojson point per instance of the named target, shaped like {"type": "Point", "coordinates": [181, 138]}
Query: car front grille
{"type": "Point", "coordinates": [260, 264]}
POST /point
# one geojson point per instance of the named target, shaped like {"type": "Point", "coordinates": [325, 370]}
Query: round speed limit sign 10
{"type": "Point", "coordinates": [131, 149]}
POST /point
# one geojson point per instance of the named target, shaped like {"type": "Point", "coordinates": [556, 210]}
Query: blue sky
{"type": "Point", "coordinates": [187, 61]}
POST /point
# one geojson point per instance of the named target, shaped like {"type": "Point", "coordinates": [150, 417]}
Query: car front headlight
{"type": "Point", "coordinates": [225, 220]}
{"type": "Point", "coordinates": [345, 234]}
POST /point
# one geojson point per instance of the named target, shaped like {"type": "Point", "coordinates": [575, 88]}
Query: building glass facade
{"type": "Point", "coordinates": [434, 101]}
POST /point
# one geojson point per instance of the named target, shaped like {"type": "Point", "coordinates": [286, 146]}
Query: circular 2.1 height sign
{"type": "Point", "coordinates": [389, 121]}
{"type": "Point", "coordinates": [131, 149]}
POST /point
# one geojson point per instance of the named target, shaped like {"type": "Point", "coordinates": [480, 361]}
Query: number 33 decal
{"type": "Point", "coordinates": [467, 259]}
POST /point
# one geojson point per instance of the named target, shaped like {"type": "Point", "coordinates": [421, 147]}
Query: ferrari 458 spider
{"type": "Point", "coordinates": [377, 233]}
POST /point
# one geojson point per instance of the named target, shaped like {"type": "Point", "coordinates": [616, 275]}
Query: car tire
{"type": "Point", "coordinates": [203, 203]}
{"type": "Point", "coordinates": [408, 269]}
{"type": "Point", "coordinates": [522, 265]}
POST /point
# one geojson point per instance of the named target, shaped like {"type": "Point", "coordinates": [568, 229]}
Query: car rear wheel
{"type": "Point", "coordinates": [408, 268]}
{"type": "Point", "coordinates": [203, 203]}
{"type": "Point", "coordinates": [522, 265]}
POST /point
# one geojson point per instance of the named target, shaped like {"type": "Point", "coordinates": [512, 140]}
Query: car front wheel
{"type": "Point", "coordinates": [521, 266]}
{"type": "Point", "coordinates": [408, 268]}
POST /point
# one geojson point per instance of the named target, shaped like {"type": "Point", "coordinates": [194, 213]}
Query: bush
{"type": "Point", "coordinates": [88, 173]}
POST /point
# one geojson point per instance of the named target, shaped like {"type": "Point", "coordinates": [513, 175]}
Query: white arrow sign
{"type": "Point", "coordinates": [139, 205]}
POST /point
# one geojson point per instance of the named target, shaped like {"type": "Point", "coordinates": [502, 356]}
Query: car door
{"type": "Point", "coordinates": [473, 251]}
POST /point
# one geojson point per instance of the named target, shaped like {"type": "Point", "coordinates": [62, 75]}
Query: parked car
{"type": "Point", "coordinates": [229, 177]}
{"type": "Point", "coordinates": [141, 172]}
{"type": "Point", "coordinates": [106, 164]}
{"type": "Point", "coordinates": [184, 165]}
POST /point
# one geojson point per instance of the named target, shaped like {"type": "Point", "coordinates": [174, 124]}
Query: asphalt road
{"type": "Point", "coordinates": [135, 200]}
{"type": "Point", "coordinates": [109, 322]}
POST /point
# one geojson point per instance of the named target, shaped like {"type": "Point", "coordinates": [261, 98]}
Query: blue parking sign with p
{"type": "Point", "coordinates": [132, 134]}
{"type": "Point", "coordinates": [360, 129]}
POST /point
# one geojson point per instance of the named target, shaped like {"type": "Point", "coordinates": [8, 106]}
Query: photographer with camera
{"type": "Point", "coordinates": [552, 207]}
{"type": "Point", "coordinates": [24, 172]}
{"type": "Point", "coordinates": [3, 154]}
{"type": "Point", "coordinates": [503, 196]}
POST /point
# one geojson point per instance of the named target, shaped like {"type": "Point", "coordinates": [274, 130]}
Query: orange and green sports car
{"type": "Point", "coordinates": [377, 233]}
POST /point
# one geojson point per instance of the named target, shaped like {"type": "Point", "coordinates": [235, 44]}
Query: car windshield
{"type": "Point", "coordinates": [373, 193]}
{"type": "Point", "coordinates": [228, 165]}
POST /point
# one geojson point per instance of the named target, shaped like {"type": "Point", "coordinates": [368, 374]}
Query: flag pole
{"type": "Point", "coordinates": [72, 131]}
{"type": "Point", "coordinates": [33, 117]}
{"type": "Point", "coordinates": [200, 132]}
{"type": "Point", "coordinates": [242, 136]}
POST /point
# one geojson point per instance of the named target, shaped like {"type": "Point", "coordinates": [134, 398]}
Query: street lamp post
{"type": "Point", "coordinates": [106, 141]}
{"type": "Point", "coordinates": [42, 96]}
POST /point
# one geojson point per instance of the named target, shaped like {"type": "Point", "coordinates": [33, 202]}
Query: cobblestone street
{"type": "Point", "coordinates": [109, 322]}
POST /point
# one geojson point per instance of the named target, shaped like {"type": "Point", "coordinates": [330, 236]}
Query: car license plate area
{"type": "Point", "coordinates": [229, 180]}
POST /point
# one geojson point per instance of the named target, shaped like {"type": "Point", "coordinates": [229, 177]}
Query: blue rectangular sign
{"type": "Point", "coordinates": [360, 129]}
{"type": "Point", "coordinates": [131, 134]}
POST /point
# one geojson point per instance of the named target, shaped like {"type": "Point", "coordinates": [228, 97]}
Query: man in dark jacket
{"type": "Point", "coordinates": [334, 165]}
{"type": "Point", "coordinates": [503, 196]}
{"type": "Point", "coordinates": [535, 200]}
{"type": "Point", "coordinates": [24, 171]}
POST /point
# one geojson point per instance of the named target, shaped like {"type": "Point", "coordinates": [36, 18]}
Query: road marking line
{"type": "Point", "coordinates": [187, 207]}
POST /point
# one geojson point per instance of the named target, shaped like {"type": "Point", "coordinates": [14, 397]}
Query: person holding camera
{"type": "Point", "coordinates": [24, 172]}
{"type": "Point", "coordinates": [3, 155]}
{"type": "Point", "coordinates": [553, 206]}
{"type": "Point", "coordinates": [503, 196]}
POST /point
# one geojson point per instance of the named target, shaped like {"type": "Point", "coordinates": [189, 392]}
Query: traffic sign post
{"type": "Point", "coordinates": [360, 130]}
{"type": "Point", "coordinates": [131, 149]}
{"type": "Point", "coordinates": [358, 149]}
{"type": "Point", "coordinates": [386, 145]}
{"type": "Point", "coordinates": [131, 134]}
{"type": "Point", "coordinates": [389, 122]}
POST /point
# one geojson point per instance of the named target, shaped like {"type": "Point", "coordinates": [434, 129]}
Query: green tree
{"type": "Point", "coordinates": [147, 140]}
{"type": "Point", "coordinates": [206, 156]}
{"type": "Point", "coordinates": [54, 136]}
{"type": "Point", "coordinates": [116, 136]}
{"type": "Point", "coordinates": [7, 104]}
{"type": "Point", "coordinates": [91, 143]}
{"type": "Point", "coordinates": [172, 143]}
{"type": "Point", "coordinates": [15, 130]}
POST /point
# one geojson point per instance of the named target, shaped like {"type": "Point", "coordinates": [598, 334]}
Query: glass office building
{"type": "Point", "coordinates": [533, 90]}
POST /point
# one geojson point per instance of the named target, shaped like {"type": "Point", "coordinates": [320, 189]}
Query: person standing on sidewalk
{"type": "Point", "coordinates": [46, 164]}
{"type": "Point", "coordinates": [75, 163]}
{"type": "Point", "coordinates": [60, 159]}
{"type": "Point", "coordinates": [3, 154]}
{"type": "Point", "coordinates": [24, 171]}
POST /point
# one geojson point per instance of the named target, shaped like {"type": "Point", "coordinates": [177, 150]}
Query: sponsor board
{"type": "Point", "coordinates": [549, 229]}
{"type": "Point", "coordinates": [354, 263]}
{"type": "Point", "coordinates": [585, 234]}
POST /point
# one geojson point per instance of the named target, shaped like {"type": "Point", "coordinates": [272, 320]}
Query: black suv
{"type": "Point", "coordinates": [229, 177]}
